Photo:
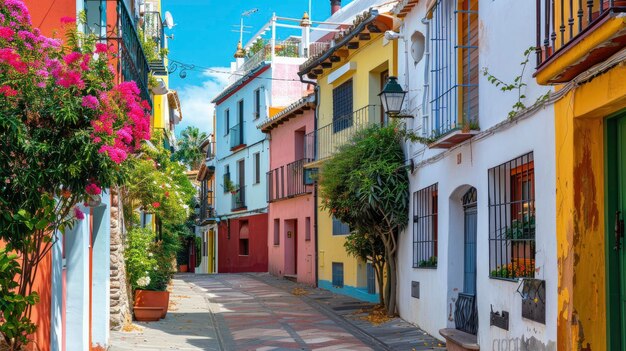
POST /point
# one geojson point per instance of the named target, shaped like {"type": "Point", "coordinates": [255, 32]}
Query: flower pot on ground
{"type": "Point", "coordinates": [183, 268]}
{"type": "Point", "coordinates": [147, 314]}
{"type": "Point", "coordinates": [152, 299]}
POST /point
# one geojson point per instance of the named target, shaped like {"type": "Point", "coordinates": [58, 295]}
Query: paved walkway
{"type": "Point", "coordinates": [260, 312]}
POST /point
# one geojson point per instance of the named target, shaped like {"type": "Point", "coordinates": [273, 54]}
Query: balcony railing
{"type": "Point", "coordinates": [284, 49]}
{"type": "Point", "coordinates": [133, 59]}
{"type": "Point", "coordinates": [324, 142]}
{"type": "Point", "coordinates": [238, 198]}
{"type": "Point", "coordinates": [236, 136]}
{"type": "Point", "coordinates": [153, 33]}
{"type": "Point", "coordinates": [561, 23]}
{"type": "Point", "coordinates": [287, 181]}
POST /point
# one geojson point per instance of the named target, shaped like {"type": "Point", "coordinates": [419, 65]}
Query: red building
{"type": "Point", "coordinates": [242, 246]}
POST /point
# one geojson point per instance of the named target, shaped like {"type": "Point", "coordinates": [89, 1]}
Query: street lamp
{"type": "Point", "coordinates": [392, 97]}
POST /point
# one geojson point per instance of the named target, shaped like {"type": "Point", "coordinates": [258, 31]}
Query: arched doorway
{"type": "Point", "coordinates": [469, 245]}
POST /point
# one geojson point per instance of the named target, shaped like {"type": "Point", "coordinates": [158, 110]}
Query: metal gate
{"type": "Point", "coordinates": [371, 279]}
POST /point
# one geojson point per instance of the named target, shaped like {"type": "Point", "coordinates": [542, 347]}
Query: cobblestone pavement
{"type": "Point", "coordinates": [260, 312]}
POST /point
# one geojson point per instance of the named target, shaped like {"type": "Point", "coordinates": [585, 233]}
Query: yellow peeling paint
{"type": "Point", "coordinates": [372, 58]}
{"type": "Point", "coordinates": [580, 117]}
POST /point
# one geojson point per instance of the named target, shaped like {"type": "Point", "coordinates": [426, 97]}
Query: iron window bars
{"type": "Point", "coordinates": [287, 181]}
{"type": "Point", "coordinates": [340, 228]}
{"type": "Point", "coordinates": [238, 198]}
{"type": "Point", "coordinates": [512, 219]}
{"type": "Point", "coordinates": [337, 268]}
{"type": "Point", "coordinates": [425, 227]}
{"type": "Point", "coordinates": [342, 106]}
{"type": "Point", "coordinates": [454, 66]}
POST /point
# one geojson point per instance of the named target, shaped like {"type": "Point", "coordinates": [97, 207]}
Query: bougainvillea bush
{"type": "Point", "coordinates": [66, 129]}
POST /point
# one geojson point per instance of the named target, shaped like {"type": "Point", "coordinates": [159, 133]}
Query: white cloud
{"type": "Point", "coordinates": [196, 103]}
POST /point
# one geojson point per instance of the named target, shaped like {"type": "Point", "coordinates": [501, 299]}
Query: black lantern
{"type": "Point", "coordinates": [392, 97]}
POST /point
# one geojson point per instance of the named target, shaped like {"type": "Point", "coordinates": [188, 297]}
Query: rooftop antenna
{"type": "Point", "coordinates": [241, 26]}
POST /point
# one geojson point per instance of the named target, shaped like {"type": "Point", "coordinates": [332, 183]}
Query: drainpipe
{"type": "Point", "coordinates": [315, 213]}
{"type": "Point", "coordinates": [425, 114]}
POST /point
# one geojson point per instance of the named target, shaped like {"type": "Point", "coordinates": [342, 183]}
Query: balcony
{"type": "Point", "coordinates": [238, 198]}
{"type": "Point", "coordinates": [324, 142]}
{"type": "Point", "coordinates": [573, 36]}
{"type": "Point", "coordinates": [133, 59]}
{"type": "Point", "coordinates": [236, 137]}
{"type": "Point", "coordinates": [210, 158]}
{"type": "Point", "coordinates": [287, 181]}
{"type": "Point", "coordinates": [154, 40]}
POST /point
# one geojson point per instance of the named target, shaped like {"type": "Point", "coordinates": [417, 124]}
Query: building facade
{"type": "Point", "coordinates": [350, 75]}
{"type": "Point", "coordinates": [206, 226]}
{"type": "Point", "coordinates": [291, 235]}
{"type": "Point", "coordinates": [478, 257]}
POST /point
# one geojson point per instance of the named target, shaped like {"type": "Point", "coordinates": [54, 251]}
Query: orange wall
{"type": "Point", "coordinates": [46, 14]}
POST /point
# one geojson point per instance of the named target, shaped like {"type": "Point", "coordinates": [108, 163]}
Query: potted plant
{"type": "Point", "coordinates": [230, 186]}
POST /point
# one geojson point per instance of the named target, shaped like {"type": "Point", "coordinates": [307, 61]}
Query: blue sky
{"type": "Point", "coordinates": [203, 36]}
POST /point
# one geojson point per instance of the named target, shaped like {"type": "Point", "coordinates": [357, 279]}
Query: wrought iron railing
{"type": "Point", "coordinates": [287, 181]}
{"type": "Point", "coordinates": [323, 142]}
{"type": "Point", "coordinates": [236, 136]}
{"type": "Point", "coordinates": [133, 60]}
{"type": "Point", "coordinates": [561, 22]}
{"type": "Point", "coordinates": [238, 198]}
{"type": "Point", "coordinates": [153, 32]}
{"type": "Point", "coordinates": [210, 152]}
{"type": "Point", "coordinates": [466, 314]}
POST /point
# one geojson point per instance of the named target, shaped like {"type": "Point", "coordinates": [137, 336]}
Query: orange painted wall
{"type": "Point", "coordinates": [46, 14]}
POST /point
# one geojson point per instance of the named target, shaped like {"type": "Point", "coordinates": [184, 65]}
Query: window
{"type": "Point", "coordinates": [307, 229]}
{"type": "Point", "coordinates": [342, 106]}
{"type": "Point", "coordinates": [425, 227]}
{"type": "Point", "coordinates": [512, 219]}
{"type": "Point", "coordinates": [227, 180]}
{"type": "Point", "coordinates": [244, 248]}
{"type": "Point", "coordinates": [257, 103]}
{"type": "Point", "coordinates": [257, 168]}
{"type": "Point", "coordinates": [244, 230]}
{"type": "Point", "coordinates": [95, 11]}
{"type": "Point", "coordinates": [226, 122]}
{"type": "Point", "coordinates": [276, 231]}
{"type": "Point", "coordinates": [204, 244]}
{"type": "Point", "coordinates": [340, 228]}
{"type": "Point", "coordinates": [455, 66]}
{"type": "Point", "coordinates": [338, 274]}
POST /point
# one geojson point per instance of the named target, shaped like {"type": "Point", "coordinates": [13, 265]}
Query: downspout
{"type": "Point", "coordinates": [425, 114]}
{"type": "Point", "coordinates": [315, 213]}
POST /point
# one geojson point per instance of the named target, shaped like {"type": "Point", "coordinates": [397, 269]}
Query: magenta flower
{"type": "Point", "coordinates": [7, 91]}
{"type": "Point", "coordinates": [68, 20]}
{"type": "Point", "coordinates": [72, 57]}
{"type": "Point", "coordinates": [90, 101]}
{"type": "Point", "coordinates": [93, 189]}
{"type": "Point", "coordinates": [78, 214]}
{"type": "Point", "coordinates": [101, 48]}
{"type": "Point", "coordinates": [7, 33]}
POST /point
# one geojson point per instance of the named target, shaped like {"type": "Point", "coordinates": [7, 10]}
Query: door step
{"type": "Point", "coordinates": [293, 278]}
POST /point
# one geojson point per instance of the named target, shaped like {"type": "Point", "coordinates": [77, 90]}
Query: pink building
{"type": "Point", "coordinates": [291, 234]}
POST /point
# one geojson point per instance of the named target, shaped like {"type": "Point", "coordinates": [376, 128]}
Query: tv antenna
{"type": "Point", "coordinates": [241, 26]}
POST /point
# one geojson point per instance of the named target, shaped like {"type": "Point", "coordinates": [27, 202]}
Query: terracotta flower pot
{"type": "Point", "coordinates": [147, 314]}
{"type": "Point", "coordinates": [147, 298]}
{"type": "Point", "coordinates": [183, 268]}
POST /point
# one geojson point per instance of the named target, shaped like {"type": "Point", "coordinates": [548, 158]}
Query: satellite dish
{"type": "Point", "coordinates": [169, 20]}
{"type": "Point", "coordinates": [418, 44]}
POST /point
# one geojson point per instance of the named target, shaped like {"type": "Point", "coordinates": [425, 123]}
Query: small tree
{"type": "Point", "coordinates": [367, 247]}
{"type": "Point", "coordinates": [365, 184]}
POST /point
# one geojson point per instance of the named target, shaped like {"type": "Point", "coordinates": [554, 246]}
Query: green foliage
{"type": "Point", "coordinates": [198, 242]}
{"type": "Point", "coordinates": [363, 246]}
{"type": "Point", "coordinates": [257, 46]}
{"type": "Point", "coordinates": [521, 229]}
{"type": "Point", "coordinates": [14, 324]}
{"type": "Point", "coordinates": [431, 262]}
{"type": "Point", "coordinates": [189, 151]}
{"type": "Point", "coordinates": [229, 186]}
{"type": "Point", "coordinates": [149, 262]}
{"type": "Point", "coordinates": [517, 85]}
{"type": "Point", "coordinates": [149, 46]}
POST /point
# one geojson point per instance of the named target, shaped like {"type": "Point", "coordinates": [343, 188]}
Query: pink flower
{"type": "Point", "coordinates": [72, 57]}
{"type": "Point", "coordinates": [156, 204]}
{"type": "Point", "coordinates": [78, 214]}
{"type": "Point", "coordinates": [7, 33]}
{"type": "Point", "coordinates": [7, 91]}
{"type": "Point", "coordinates": [93, 189]}
{"type": "Point", "coordinates": [68, 20]}
{"type": "Point", "coordinates": [85, 64]}
{"type": "Point", "coordinates": [91, 102]}
{"type": "Point", "coordinates": [101, 48]}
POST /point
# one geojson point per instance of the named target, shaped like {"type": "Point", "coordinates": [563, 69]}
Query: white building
{"type": "Point", "coordinates": [484, 177]}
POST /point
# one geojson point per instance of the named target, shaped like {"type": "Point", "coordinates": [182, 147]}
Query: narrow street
{"type": "Point", "coordinates": [261, 312]}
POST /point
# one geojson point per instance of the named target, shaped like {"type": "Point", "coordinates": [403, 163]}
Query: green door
{"type": "Point", "coordinates": [615, 245]}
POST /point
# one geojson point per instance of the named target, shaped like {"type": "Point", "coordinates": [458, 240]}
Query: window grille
{"type": "Point", "coordinates": [257, 103]}
{"type": "Point", "coordinates": [257, 168]}
{"type": "Point", "coordinates": [342, 107]}
{"type": "Point", "coordinates": [371, 278]}
{"type": "Point", "coordinates": [338, 274]}
{"type": "Point", "coordinates": [454, 66]}
{"type": "Point", "coordinates": [425, 227]}
{"type": "Point", "coordinates": [226, 178]}
{"type": "Point", "coordinates": [226, 121]}
{"type": "Point", "coordinates": [340, 228]}
{"type": "Point", "coordinates": [512, 219]}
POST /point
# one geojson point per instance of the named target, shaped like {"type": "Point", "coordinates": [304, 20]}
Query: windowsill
{"type": "Point", "coordinates": [428, 268]}
{"type": "Point", "coordinates": [341, 234]}
{"type": "Point", "coordinates": [510, 280]}
{"type": "Point", "coordinates": [240, 255]}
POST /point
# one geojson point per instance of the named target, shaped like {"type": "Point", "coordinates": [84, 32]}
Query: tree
{"type": "Point", "coordinates": [65, 132]}
{"type": "Point", "coordinates": [365, 185]}
{"type": "Point", "coordinates": [189, 151]}
{"type": "Point", "coordinates": [368, 248]}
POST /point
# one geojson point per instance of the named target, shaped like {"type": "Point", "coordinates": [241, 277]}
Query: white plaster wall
{"type": "Point", "coordinates": [503, 39]}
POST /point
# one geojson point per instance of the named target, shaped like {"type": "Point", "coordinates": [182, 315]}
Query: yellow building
{"type": "Point", "coordinates": [583, 54]}
{"type": "Point", "coordinates": [350, 75]}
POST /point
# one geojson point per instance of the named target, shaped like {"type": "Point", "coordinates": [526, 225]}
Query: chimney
{"type": "Point", "coordinates": [335, 5]}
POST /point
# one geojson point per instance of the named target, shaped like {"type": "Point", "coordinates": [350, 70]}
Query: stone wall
{"type": "Point", "coordinates": [120, 291]}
